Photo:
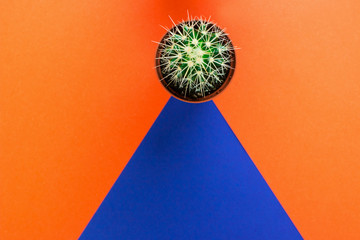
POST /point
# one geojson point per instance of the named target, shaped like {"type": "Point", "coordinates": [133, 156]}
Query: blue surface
{"type": "Point", "coordinates": [190, 178]}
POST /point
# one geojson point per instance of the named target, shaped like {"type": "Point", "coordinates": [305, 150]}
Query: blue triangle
{"type": "Point", "coordinates": [190, 178]}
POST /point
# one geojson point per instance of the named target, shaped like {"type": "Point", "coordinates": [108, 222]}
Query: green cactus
{"type": "Point", "coordinates": [195, 57]}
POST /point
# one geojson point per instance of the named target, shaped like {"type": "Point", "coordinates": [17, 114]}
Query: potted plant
{"type": "Point", "coordinates": [195, 60]}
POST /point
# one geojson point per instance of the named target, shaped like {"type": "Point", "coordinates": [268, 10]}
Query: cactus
{"type": "Point", "coordinates": [195, 58]}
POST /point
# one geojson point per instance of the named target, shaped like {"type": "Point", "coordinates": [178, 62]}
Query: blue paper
{"type": "Point", "coordinates": [190, 178]}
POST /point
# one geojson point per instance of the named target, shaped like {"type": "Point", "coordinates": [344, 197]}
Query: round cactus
{"type": "Point", "coordinates": [195, 60]}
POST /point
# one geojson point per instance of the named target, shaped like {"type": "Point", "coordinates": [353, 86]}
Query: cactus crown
{"type": "Point", "coordinates": [195, 58]}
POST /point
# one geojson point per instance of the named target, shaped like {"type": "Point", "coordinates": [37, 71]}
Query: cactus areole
{"type": "Point", "coordinates": [195, 60]}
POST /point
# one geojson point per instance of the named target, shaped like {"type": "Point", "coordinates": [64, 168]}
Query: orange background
{"type": "Point", "coordinates": [78, 92]}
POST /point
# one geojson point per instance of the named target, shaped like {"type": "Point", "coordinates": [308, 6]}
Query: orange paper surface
{"type": "Point", "coordinates": [78, 92]}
